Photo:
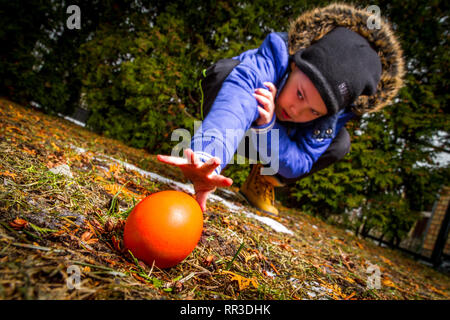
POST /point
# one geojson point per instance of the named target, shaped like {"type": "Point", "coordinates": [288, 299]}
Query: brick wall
{"type": "Point", "coordinates": [435, 224]}
{"type": "Point", "coordinates": [447, 247]}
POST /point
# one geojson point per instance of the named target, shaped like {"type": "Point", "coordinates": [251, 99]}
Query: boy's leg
{"type": "Point", "coordinates": [258, 189]}
{"type": "Point", "coordinates": [335, 152]}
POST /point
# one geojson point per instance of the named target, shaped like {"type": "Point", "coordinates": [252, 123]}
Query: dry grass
{"type": "Point", "coordinates": [50, 222]}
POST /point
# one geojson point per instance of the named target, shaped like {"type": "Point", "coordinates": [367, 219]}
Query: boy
{"type": "Point", "coordinates": [306, 84]}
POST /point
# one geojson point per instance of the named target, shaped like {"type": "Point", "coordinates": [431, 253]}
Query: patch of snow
{"type": "Point", "coordinates": [35, 104]}
{"type": "Point", "coordinates": [275, 225]}
{"type": "Point", "coordinates": [295, 282]}
{"type": "Point", "coordinates": [78, 149]}
{"type": "Point", "coordinates": [77, 122]}
{"type": "Point", "coordinates": [316, 288]}
{"type": "Point", "coordinates": [229, 192]}
{"type": "Point", "coordinates": [7, 182]}
{"type": "Point", "coordinates": [63, 169]}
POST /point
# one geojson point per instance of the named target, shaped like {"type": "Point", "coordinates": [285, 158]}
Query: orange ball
{"type": "Point", "coordinates": [165, 227]}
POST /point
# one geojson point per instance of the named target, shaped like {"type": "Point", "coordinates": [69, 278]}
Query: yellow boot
{"type": "Point", "coordinates": [259, 191]}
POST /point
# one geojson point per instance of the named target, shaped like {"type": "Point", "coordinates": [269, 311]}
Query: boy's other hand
{"type": "Point", "coordinates": [200, 174]}
{"type": "Point", "coordinates": [266, 99]}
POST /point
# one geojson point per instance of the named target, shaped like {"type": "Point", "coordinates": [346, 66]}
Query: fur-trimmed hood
{"type": "Point", "coordinates": [314, 24]}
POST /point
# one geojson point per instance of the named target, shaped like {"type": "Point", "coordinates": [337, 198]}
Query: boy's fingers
{"type": "Point", "coordinates": [265, 93]}
{"type": "Point", "coordinates": [213, 161]}
{"type": "Point", "coordinates": [271, 87]}
{"type": "Point", "coordinates": [176, 161]}
{"type": "Point", "coordinates": [263, 101]}
{"type": "Point", "coordinates": [263, 113]}
{"type": "Point", "coordinates": [222, 181]}
{"type": "Point", "coordinates": [219, 181]}
{"type": "Point", "coordinates": [210, 165]}
{"type": "Point", "coordinates": [190, 156]}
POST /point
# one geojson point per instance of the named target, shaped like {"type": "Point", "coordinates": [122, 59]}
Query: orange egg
{"type": "Point", "coordinates": [165, 227]}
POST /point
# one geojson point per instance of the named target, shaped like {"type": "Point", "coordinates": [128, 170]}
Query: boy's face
{"type": "Point", "coordinates": [299, 100]}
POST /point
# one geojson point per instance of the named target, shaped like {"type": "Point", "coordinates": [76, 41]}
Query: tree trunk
{"type": "Point", "coordinates": [381, 240]}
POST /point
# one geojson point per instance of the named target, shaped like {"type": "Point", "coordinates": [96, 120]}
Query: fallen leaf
{"type": "Point", "coordinates": [349, 279]}
{"type": "Point", "coordinates": [345, 260]}
{"type": "Point", "coordinates": [387, 261]}
{"type": "Point", "coordinates": [243, 282]}
{"type": "Point", "coordinates": [86, 236]}
{"type": "Point", "coordinates": [359, 245]}
{"type": "Point", "coordinates": [209, 259]}
{"type": "Point", "coordinates": [114, 168]}
{"type": "Point", "coordinates": [350, 295]}
{"type": "Point", "coordinates": [249, 257]}
{"type": "Point", "coordinates": [109, 225]}
{"type": "Point", "coordinates": [55, 147]}
{"type": "Point", "coordinates": [437, 291]}
{"type": "Point", "coordinates": [116, 243]}
{"type": "Point", "coordinates": [274, 269]}
{"type": "Point", "coordinates": [120, 225]}
{"type": "Point", "coordinates": [259, 254]}
{"type": "Point", "coordinates": [18, 223]}
{"type": "Point", "coordinates": [113, 189]}
{"type": "Point", "coordinates": [32, 152]}
{"type": "Point", "coordinates": [92, 241]}
{"type": "Point", "coordinates": [99, 178]}
{"type": "Point", "coordinates": [178, 287]}
{"type": "Point", "coordinates": [111, 262]}
{"type": "Point", "coordinates": [8, 129]}
{"type": "Point", "coordinates": [286, 247]}
{"type": "Point", "coordinates": [138, 277]}
{"type": "Point", "coordinates": [389, 283]}
{"type": "Point", "coordinates": [95, 224]}
{"type": "Point", "coordinates": [8, 174]}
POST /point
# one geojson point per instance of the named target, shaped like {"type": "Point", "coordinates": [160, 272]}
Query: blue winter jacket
{"type": "Point", "coordinates": [235, 110]}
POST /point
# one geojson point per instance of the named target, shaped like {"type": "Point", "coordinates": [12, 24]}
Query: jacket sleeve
{"type": "Point", "coordinates": [235, 108]}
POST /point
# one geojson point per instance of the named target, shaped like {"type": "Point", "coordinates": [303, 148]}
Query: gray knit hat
{"type": "Point", "coordinates": [342, 65]}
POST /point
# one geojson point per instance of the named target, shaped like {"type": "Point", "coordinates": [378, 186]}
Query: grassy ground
{"type": "Point", "coordinates": [52, 224]}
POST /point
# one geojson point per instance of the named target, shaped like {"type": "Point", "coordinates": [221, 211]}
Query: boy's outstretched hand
{"type": "Point", "coordinates": [199, 173]}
